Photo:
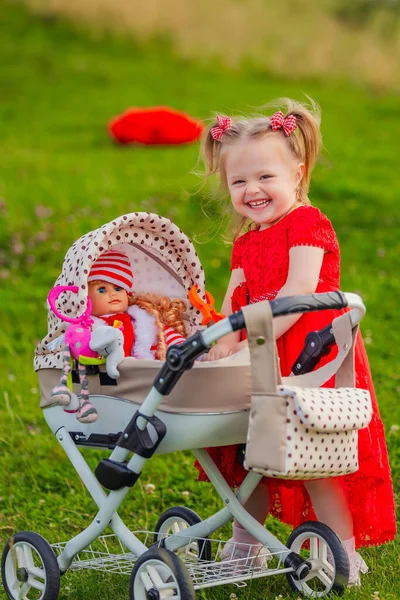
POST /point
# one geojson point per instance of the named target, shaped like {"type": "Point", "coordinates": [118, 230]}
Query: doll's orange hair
{"type": "Point", "coordinates": [166, 312]}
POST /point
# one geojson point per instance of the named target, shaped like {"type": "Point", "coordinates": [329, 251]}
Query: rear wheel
{"type": "Point", "coordinates": [323, 550]}
{"type": "Point", "coordinates": [178, 519]}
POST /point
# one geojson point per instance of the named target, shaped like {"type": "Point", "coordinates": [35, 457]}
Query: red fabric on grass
{"type": "Point", "coordinates": [154, 126]}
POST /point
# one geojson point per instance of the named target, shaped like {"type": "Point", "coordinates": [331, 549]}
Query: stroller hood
{"type": "Point", "coordinates": [163, 261]}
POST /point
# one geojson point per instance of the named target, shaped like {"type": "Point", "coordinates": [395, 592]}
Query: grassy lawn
{"type": "Point", "coordinates": [61, 176]}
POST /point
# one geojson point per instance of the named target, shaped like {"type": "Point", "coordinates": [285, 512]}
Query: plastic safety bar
{"type": "Point", "coordinates": [98, 440]}
{"type": "Point", "coordinates": [90, 371]}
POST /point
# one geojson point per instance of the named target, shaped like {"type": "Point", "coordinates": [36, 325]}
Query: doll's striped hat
{"type": "Point", "coordinates": [113, 267]}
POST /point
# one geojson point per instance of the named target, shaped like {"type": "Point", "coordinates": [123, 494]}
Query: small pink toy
{"type": "Point", "coordinates": [77, 338]}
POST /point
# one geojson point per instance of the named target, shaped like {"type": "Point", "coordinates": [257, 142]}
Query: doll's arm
{"type": "Point", "coordinates": [172, 336]}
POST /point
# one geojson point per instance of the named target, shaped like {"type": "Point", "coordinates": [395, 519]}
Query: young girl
{"type": "Point", "coordinates": [290, 248]}
{"type": "Point", "coordinates": [149, 323]}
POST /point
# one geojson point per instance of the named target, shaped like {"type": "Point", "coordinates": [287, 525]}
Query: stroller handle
{"type": "Point", "coordinates": [290, 305]}
{"type": "Point", "coordinates": [179, 358]}
{"type": "Point", "coordinates": [313, 302]}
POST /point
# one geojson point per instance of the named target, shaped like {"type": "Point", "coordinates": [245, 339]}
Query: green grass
{"type": "Point", "coordinates": [61, 176]}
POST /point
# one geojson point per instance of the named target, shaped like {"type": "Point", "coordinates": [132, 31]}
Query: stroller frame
{"type": "Point", "coordinates": [233, 502]}
{"type": "Point", "coordinates": [143, 441]}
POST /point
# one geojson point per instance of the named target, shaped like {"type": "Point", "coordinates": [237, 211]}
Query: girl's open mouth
{"type": "Point", "coordinates": [257, 204]}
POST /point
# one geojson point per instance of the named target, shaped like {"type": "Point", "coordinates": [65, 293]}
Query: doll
{"type": "Point", "coordinates": [120, 324]}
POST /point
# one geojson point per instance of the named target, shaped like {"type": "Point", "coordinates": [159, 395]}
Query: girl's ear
{"type": "Point", "coordinates": [299, 173]}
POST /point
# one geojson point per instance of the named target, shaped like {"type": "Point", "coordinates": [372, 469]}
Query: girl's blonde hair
{"type": "Point", "coordinates": [305, 143]}
{"type": "Point", "coordinates": [166, 312]}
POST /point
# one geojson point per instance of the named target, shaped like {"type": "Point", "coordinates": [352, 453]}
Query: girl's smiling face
{"type": "Point", "coordinates": [262, 175]}
{"type": "Point", "coordinates": [107, 298]}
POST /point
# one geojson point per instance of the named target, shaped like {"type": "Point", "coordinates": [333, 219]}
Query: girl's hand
{"type": "Point", "coordinates": [221, 350]}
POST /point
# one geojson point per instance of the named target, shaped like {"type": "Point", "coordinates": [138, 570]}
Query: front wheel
{"type": "Point", "coordinates": [29, 568]}
{"type": "Point", "coordinates": [322, 548]}
{"type": "Point", "coordinates": [158, 573]}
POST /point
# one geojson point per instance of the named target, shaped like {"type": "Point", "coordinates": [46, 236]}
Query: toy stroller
{"type": "Point", "coordinates": [153, 409]}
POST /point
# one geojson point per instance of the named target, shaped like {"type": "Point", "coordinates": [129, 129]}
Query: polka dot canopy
{"type": "Point", "coordinates": [163, 261]}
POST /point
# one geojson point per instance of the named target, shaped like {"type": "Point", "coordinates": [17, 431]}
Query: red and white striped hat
{"type": "Point", "coordinates": [113, 267]}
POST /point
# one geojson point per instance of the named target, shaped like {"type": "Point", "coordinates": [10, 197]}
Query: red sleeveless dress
{"type": "Point", "coordinates": [264, 257]}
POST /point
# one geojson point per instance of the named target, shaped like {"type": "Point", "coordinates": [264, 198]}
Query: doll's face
{"type": "Point", "coordinates": [107, 298]}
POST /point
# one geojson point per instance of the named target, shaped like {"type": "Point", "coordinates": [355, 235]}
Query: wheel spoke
{"type": "Point", "coordinates": [23, 591]}
{"type": "Point", "coordinates": [38, 585]}
{"type": "Point", "coordinates": [19, 553]}
{"type": "Point", "coordinates": [314, 553]}
{"type": "Point", "coordinates": [28, 558]}
{"type": "Point", "coordinates": [324, 578]}
{"type": "Point", "coordinates": [323, 552]}
{"type": "Point", "coordinates": [37, 573]}
{"type": "Point", "coordinates": [14, 584]}
{"type": "Point", "coordinates": [30, 565]}
{"type": "Point", "coordinates": [328, 568]}
{"type": "Point", "coordinates": [148, 584]}
{"type": "Point", "coordinates": [175, 527]}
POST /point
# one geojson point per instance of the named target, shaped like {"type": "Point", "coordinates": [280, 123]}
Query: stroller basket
{"type": "Point", "coordinates": [108, 555]}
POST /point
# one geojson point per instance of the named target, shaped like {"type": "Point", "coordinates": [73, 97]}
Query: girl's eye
{"type": "Point", "coordinates": [117, 288]}
{"type": "Point", "coordinates": [265, 176]}
{"type": "Point", "coordinates": [238, 181]}
{"type": "Point", "coordinates": [101, 290]}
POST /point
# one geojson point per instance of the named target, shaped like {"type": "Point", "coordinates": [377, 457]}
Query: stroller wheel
{"type": "Point", "coordinates": [159, 573]}
{"type": "Point", "coordinates": [322, 548]}
{"type": "Point", "coordinates": [178, 519]}
{"type": "Point", "coordinates": [29, 568]}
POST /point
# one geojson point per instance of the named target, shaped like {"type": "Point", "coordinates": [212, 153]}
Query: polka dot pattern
{"type": "Point", "coordinates": [163, 258]}
{"type": "Point", "coordinates": [321, 431]}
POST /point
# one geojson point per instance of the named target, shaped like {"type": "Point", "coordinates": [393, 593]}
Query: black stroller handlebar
{"type": "Point", "coordinates": [311, 302]}
{"type": "Point", "coordinates": [289, 305]}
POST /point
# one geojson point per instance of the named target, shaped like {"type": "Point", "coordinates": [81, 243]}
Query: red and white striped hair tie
{"type": "Point", "coordinates": [224, 124]}
{"type": "Point", "coordinates": [288, 124]}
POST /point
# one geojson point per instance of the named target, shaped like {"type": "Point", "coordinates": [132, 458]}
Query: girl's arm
{"type": "Point", "coordinates": [228, 344]}
{"type": "Point", "coordinates": [304, 268]}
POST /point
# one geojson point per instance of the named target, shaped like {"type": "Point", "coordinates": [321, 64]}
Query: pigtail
{"type": "Point", "coordinates": [210, 149]}
{"type": "Point", "coordinates": [306, 141]}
